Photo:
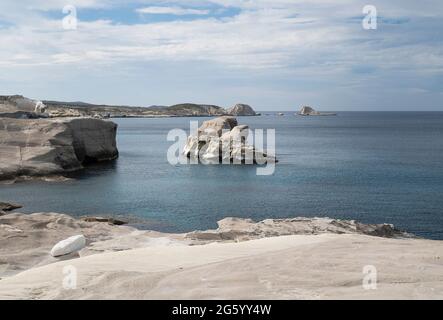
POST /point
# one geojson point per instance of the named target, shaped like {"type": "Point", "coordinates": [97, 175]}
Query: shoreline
{"type": "Point", "coordinates": [242, 259]}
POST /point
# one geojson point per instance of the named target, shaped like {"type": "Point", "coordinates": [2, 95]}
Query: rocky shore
{"type": "Point", "coordinates": [273, 259]}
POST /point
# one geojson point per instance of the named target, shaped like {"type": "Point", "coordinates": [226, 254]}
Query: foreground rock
{"type": "Point", "coordinates": [308, 111]}
{"type": "Point", "coordinates": [300, 266]}
{"type": "Point", "coordinates": [46, 147]}
{"type": "Point", "coordinates": [222, 140]}
{"type": "Point", "coordinates": [69, 246]}
{"type": "Point", "coordinates": [27, 239]}
{"type": "Point", "coordinates": [242, 110]}
{"type": "Point", "coordinates": [235, 229]}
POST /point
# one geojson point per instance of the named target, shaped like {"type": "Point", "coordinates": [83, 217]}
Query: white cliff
{"type": "Point", "coordinates": [43, 147]}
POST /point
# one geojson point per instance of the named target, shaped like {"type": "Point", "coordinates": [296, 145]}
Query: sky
{"type": "Point", "coordinates": [271, 54]}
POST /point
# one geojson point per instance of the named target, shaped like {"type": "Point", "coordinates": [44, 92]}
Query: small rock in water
{"type": "Point", "coordinates": [68, 246]}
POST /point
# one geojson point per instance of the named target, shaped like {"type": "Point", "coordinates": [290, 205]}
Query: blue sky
{"type": "Point", "coordinates": [272, 54]}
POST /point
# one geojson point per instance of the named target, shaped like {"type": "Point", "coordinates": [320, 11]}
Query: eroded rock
{"type": "Point", "coordinates": [237, 229]}
{"type": "Point", "coordinates": [46, 147]}
{"type": "Point", "coordinates": [223, 140]}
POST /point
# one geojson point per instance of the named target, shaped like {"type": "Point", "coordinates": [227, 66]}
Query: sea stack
{"type": "Point", "coordinates": [309, 111]}
{"type": "Point", "coordinates": [223, 140]}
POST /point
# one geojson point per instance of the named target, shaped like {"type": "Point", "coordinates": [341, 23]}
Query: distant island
{"type": "Point", "coordinates": [19, 106]}
{"type": "Point", "coordinates": [309, 111]}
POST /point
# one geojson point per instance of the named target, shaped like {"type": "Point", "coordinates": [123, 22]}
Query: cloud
{"type": "Point", "coordinates": [178, 11]}
{"type": "Point", "coordinates": [319, 41]}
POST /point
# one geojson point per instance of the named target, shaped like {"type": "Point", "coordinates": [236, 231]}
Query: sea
{"type": "Point", "coordinates": [373, 167]}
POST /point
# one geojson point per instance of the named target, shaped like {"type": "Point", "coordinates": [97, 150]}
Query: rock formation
{"type": "Point", "coordinates": [237, 229]}
{"type": "Point", "coordinates": [242, 110]}
{"type": "Point", "coordinates": [308, 111]}
{"type": "Point", "coordinates": [19, 107]}
{"type": "Point", "coordinates": [223, 140]}
{"type": "Point", "coordinates": [48, 146]}
{"type": "Point", "coordinates": [68, 246]}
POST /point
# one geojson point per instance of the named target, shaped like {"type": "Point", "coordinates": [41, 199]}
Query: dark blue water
{"type": "Point", "coordinates": [371, 167]}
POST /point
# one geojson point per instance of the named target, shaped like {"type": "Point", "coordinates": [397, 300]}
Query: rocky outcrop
{"type": "Point", "coordinates": [308, 111]}
{"type": "Point", "coordinates": [44, 147]}
{"type": "Point", "coordinates": [19, 107]}
{"type": "Point", "coordinates": [223, 140]}
{"type": "Point", "coordinates": [242, 110]}
{"type": "Point", "coordinates": [236, 229]}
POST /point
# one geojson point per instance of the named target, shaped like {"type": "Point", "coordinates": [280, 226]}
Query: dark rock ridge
{"type": "Point", "coordinates": [237, 229]}
{"type": "Point", "coordinates": [5, 206]}
{"type": "Point", "coordinates": [44, 147]}
{"type": "Point", "coordinates": [110, 221]}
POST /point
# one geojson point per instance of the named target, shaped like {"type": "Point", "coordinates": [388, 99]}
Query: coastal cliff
{"type": "Point", "coordinates": [44, 147]}
{"type": "Point", "coordinates": [17, 106]}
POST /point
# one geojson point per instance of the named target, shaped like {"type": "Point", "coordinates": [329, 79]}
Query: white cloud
{"type": "Point", "coordinates": [309, 40]}
{"type": "Point", "coordinates": [178, 11]}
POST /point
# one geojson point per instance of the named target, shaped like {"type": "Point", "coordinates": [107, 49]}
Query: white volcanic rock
{"type": "Point", "coordinates": [43, 147]}
{"type": "Point", "coordinates": [71, 245]}
{"type": "Point", "coordinates": [242, 110]}
{"type": "Point", "coordinates": [40, 107]}
{"type": "Point", "coordinates": [19, 107]}
{"type": "Point", "coordinates": [215, 127]}
{"type": "Point", "coordinates": [223, 140]}
{"type": "Point", "coordinates": [237, 229]}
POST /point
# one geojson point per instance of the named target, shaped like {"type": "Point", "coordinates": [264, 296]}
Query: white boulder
{"type": "Point", "coordinates": [68, 246]}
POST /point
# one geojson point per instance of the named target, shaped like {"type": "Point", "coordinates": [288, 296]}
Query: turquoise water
{"type": "Point", "coordinates": [372, 167]}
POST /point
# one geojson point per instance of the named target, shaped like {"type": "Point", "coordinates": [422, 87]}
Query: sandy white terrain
{"type": "Point", "coordinates": [123, 263]}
